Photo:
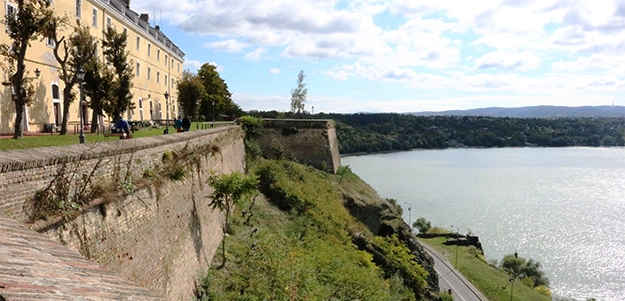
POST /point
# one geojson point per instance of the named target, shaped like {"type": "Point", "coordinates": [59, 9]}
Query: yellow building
{"type": "Point", "coordinates": [157, 64]}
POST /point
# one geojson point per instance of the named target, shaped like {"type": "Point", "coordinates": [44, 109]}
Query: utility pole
{"type": "Point", "coordinates": [457, 243]}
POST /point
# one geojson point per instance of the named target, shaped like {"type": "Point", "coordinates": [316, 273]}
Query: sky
{"type": "Point", "coordinates": [404, 55]}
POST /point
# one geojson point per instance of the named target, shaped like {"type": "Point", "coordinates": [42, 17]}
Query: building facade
{"type": "Point", "coordinates": [156, 60]}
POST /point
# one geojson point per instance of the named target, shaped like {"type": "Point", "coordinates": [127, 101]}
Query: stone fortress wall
{"type": "Point", "coordinates": [159, 236]}
{"type": "Point", "coordinates": [307, 141]}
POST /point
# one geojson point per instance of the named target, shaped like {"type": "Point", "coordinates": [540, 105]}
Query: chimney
{"type": "Point", "coordinates": [157, 27]}
{"type": "Point", "coordinates": [144, 17]}
{"type": "Point", "coordinates": [127, 3]}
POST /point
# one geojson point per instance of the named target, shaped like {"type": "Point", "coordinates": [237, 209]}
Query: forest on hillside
{"type": "Point", "coordinates": [369, 133]}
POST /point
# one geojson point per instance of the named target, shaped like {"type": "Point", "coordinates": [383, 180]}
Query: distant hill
{"type": "Point", "coordinates": [535, 112]}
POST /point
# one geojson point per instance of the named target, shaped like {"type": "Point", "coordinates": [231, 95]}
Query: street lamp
{"type": "Point", "coordinates": [80, 75]}
{"type": "Point", "coordinates": [166, 113]}
{"type": "Point", "coordinates": [213, 112]}
{"type": "Point", "coordinates": [457, 243]}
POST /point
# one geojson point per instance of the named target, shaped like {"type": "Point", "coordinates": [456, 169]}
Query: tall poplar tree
{"type": "Point", "coordinates": [298, 95]}
{"type": "Point", "coordinates": [23, 26]}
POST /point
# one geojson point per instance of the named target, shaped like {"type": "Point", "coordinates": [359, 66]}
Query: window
{"type": "Point", "coordinates": [78, 9]}
{"type": "Point", "coordinates": [149, 73]}
{"type": "Point", "coordinates": [50, 42]}
{"type": "Point", "coordinates": [165, 59]}
{"type": "Point", "coordinates": [149, 48]}
{"type": "Point", "coordinates": [158, 54]}
{"type": "Point", "coordinates": [95, 18]}
{"type": "Point", "coordinates": [158, 76]}
{"type": "Point", "coordinates": [138, 42]}
{"type": "Point", "coordinates": [55, 92]}
{"type": "Point", "coordinates": [138, 70]}
{"type": "Point", "coordinates": [165, 80]}
{"type": "Point", "coordinates": [11, 12]}
{"type": "Point", "coordinates": [109, 22]}
{"type": "Point", "coordinates": [125, 31]}
{"type": "Point", "coordinates": [178, 66]}
{"type": "Point", "coordinates": [172, 62]}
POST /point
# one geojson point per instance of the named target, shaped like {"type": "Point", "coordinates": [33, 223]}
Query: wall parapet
{"type": "Point", "coordinates": [161, 235]}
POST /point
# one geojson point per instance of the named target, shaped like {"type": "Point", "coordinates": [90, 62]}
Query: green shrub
{"type": "Point", "coordinates": [252, 126]}
{"type": "Point", "coordinates": [422, 224]}
{"type": "Point", "coordinates": [543, 290]}
{"type": "Point", "coordinates": [438, 230]}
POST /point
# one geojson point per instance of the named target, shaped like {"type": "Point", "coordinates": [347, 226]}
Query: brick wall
{"type": "Point", "coordinates": [312, 142]}
{"type": "Point", "coordinates": [162, 237]}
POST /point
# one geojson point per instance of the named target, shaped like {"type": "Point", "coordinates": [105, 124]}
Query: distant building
{"type": "Point", "coordinates": [157, 64]}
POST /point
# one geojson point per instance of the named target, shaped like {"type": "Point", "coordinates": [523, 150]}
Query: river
{"type": "Point", "coordinates": [564, 207]}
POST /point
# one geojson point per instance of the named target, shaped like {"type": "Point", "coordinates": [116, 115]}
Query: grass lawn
{"type": "Point", "coordinates": [70, 139]}
{"type": "Point", "coordinates": [492, 282]}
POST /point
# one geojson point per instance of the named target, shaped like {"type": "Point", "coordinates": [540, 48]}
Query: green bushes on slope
{"type": "Point", "coordinates": [298, 246]}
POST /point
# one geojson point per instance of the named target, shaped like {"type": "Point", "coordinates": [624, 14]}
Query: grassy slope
{"type": "Point", "coordinates": [493, 283]}
{"type": "Point", "coordinates": [299, 254]}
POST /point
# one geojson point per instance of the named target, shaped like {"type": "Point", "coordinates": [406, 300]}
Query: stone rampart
{"type": "Point", "coordinates": [308, 141]}
{"type": "Point", "coordinates": [159, 234]}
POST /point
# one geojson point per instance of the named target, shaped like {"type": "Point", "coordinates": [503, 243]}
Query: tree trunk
{"type": "Point", "coordinates": [19, 115]}
{"type": "Point", "coordinates": [94, 121]}
{"type": "Point", "coordinates": [66, 102]}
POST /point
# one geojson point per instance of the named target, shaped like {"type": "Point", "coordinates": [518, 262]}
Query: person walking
{"type": "Point", "coordinates": [186, 124]}
{"type": "Point", "coordinates": [178, 124]}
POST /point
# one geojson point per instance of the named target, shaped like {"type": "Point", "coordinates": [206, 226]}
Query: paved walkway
{"type": "Point", "coordinates": [33, 267]}
{"type": "Point", "coordinates": [449, 278]}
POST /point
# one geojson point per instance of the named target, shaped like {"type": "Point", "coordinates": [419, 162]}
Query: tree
{"type": "Point", "coordinates": [190, 92]}
{"type": "Point", "coordinates": [217, 99]}
{"type": "Point", "coordinates": [520, 267]}
{"type": "Point", "coordinates": [298, 95]}
{"type": "Point", "coordinates": [71, 55]}
{"type": "Point", "coordinates": [230, 189]}
{"type": "Point", "coordinates": [422, 224]}
{"type": "Point", "coordinates": [116, 55]}
{"type": "Point", "coordinates": [23, 26]}
{"type": "Point", "coordinates": [98, 86]}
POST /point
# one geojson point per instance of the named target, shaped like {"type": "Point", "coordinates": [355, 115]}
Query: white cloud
{"type": "Point", "coordinates": [230, 45]}
{"type": "Point", "coordinates": [192, 65]}
{"type": "Point", "coordinates": [255, 55]}
{"type": "Point", "coordinates": [539, 50]}
{"type": "Point", "coordinates": [524, 61]}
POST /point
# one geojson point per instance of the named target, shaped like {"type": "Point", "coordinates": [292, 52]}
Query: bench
{"type": "Point", "coordinates": [107, 135]}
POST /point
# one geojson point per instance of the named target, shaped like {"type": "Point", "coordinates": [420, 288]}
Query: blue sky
{"type": "Point", "coordinates": [404, 55]}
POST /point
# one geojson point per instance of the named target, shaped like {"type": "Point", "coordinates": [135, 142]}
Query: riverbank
{"type": "Point", "coordinates": [492, 282]}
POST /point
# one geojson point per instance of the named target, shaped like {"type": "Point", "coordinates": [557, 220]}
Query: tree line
{"type": "Point", "coordinates": [369, 133]}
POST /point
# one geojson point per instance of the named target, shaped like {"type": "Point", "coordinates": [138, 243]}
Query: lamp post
{"type": "Point", "coordinates": [166, 113]}
{"type": "Point", "coordinates": [80, 75]}
{"type": "Point", "coordinates": [409, 214]}
{"type": "Point", "coordinates": [457, 243]}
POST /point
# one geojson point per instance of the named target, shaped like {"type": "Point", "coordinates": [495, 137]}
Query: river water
{"type": "Point", "coordinates": [564, 207]}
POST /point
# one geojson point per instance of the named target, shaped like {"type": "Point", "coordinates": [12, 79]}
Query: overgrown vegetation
{"type": "Point", "coordinates": [73, 188]}
{"type": "Point", "coordinates": [297, 245]}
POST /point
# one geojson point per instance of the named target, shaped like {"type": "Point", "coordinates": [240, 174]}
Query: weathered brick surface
{"type": "Point", "coordinates": [162, 238]}
{"type": "Point", "coordinates": [33, 267]}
